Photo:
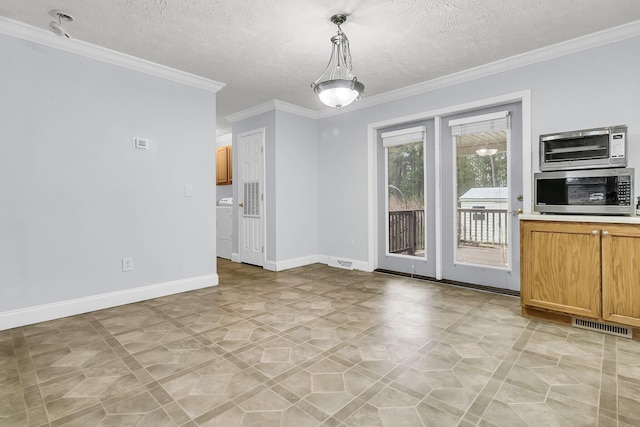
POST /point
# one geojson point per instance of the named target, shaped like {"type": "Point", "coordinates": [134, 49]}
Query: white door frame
{"type": "Point", "coordinates": [372, 130]}
{"type": "Point", "coordinates": [240, 192]}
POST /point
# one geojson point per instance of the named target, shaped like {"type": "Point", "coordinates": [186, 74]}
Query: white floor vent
{"type": "Point", "coordinates": [334, 262]}
{"type": "Point", "coordinates": [592, 325]}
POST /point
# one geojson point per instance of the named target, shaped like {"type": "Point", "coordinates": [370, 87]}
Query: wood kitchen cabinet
{"type": "Point", "coordinates": [621, 274]}
{"type": "Point", "coordinates": [583, 269]}
{"type": "Point", "coordinates": [223, 165]}
{"type": "Point", "coordinates": [560, 267]}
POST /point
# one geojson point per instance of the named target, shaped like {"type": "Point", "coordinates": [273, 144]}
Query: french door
{"type": "Point", "coordinates": [406, 162]}
{"type": "Point", "coordinates": [478, 160]}
{"type": "Point", "coordinates": [481, 157]}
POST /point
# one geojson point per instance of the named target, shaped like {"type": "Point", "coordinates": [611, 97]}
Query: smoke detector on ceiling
{"type": "Point", "coordinates": [56, 27]}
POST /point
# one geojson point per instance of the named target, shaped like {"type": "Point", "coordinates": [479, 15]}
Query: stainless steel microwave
{"type": "Point", "coordinates": [584, 149]}
{"type": "Point", "coordinates": [592, 192]}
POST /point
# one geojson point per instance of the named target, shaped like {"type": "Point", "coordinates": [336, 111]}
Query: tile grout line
{"type": "Point", "coordinates": [517, 347]}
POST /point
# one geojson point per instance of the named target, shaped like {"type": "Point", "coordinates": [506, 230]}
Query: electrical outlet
{"type": "Point", "coordinates": [352, 242]}
{"type": "Point", "coordinates": [127, 264]}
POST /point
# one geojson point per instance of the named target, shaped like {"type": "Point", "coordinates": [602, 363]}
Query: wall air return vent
{"type": "Point", "coordinates": [252, 199]}
{"type": "Point", "coordinates": [339, 263]}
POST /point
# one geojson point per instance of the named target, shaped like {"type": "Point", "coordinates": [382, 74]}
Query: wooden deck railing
{"type": "Point", "coordinates": [482, 226]}
{"type": "Point", "coordinates": [475, 227]}
{"type": "Point", "coordinates": [406, 232]}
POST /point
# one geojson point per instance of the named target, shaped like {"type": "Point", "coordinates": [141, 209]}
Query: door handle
{"type": "Point", "coordinates": [517, 212]}
{"type": "Point", "coordinates": [241, 204]}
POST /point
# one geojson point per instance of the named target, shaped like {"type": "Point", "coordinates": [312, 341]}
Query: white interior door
{"type": "Point", "coordinates": [251, 231]}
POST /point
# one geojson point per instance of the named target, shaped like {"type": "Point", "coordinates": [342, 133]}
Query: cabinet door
{"type": "Point", "coordinates": [560, 267]}
{"type": "Point", "coordinates": [229, 163]}
{"type": "Point", "coordinates": [222, 172]}
{"type": "Point", "coordinates": [621, 274]}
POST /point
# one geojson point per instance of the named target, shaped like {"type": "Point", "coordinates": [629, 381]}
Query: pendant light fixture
{"type": "Point", "coordinates": [56, 27]}
{"type": "Point", "coordinates": [337, 86]}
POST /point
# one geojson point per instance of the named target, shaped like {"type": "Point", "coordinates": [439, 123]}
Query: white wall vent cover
{"type": "Point", "coordinates": [334, 262]}
{"type": "Point", "coordinates": [592, 325]}
{"type": "Point", "coordinates": [252, 199]}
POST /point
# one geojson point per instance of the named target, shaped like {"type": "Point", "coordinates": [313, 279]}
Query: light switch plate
{"type": "Point", "coordinates": [188, 190]}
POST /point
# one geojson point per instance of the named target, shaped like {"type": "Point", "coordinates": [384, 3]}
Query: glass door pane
{"type": "Point", "coordinates": [482, 198]}
{"type": "Point", "coordinates": [405, 199]}
{"type": "Point", "coordinates": [406, 177]}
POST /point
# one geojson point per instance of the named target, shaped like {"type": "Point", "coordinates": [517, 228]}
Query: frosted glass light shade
{"type": "Point", "coordinates": [340, 92]}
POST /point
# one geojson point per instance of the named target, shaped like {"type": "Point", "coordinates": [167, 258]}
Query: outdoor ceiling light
{"type": "Point", "coordinates": [337, 86]}
{"type": "Point", "coordinates": [486, 151]}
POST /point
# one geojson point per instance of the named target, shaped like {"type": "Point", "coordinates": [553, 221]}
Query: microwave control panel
{"type": "Point", "coordinates": [617, 146]}
{"type": "Point", "coordinates": [624, 191]}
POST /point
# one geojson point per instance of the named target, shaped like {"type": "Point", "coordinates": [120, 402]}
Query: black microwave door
{"type": "Point", "coordinates": [585, 191]}
{"type": "Point", "coordinates": [552, 192]}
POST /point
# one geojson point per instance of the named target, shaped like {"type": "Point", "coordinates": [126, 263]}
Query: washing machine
{"type": "Point", "coordinates": [224, 227]}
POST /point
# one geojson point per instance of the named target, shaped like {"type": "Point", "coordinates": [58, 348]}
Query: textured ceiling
{"type": "Point", "coordinates": [273, 49]}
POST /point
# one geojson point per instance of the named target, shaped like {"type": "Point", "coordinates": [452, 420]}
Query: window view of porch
{"type": "Point", "coordinates": [405, 199]}
{"type": "Point", "coordinates": [482, 234]}
{"type": "Point", "coordinates": [482, 198]}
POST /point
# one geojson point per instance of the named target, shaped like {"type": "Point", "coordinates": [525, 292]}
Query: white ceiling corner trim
{"type": "Point", "coordinates": [44, 37]}
{"type": "Point", "coordinates": [568, 47]}
{"type": "Point", "coordinates": [295, 109]}
{"type": "Point", "coordinates": [272, 105]}
{"type": "Point", "coordinates": [252, 111]}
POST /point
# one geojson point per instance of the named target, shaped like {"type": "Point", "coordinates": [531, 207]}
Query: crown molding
{"type": "Point", "coordinates": [568, 47]}
{"type": "Point", "coordinates": [252, 111]}
{"type": "Point", "coordinates": [272, 105]}
{"type": "Point", "coordinates": [295, 109]}
{"type": "Point", "coordinates": [44, 37]}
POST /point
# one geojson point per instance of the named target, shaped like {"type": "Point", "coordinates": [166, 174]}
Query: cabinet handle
{"type": "Point", "coordinates": [605, 233]}
{"type": "Point", "coordinates": [594, 232]}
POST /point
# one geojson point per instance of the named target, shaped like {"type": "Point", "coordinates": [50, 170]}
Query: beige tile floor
{"type": "Point", "coordinates": [316, 346]}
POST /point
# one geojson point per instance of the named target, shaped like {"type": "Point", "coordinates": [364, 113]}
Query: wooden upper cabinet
{"type": "Point", "coordinates": [224, 158]}
{"type": "Point", "coordinates": [621, 274]}
{"type": "Point", "coordinates": [560, 267]}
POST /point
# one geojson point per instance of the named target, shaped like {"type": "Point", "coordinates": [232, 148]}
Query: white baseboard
{"type": "Point", "coordinates": [331, 261]}
{"type": "Point", "coordinates": [290, 263]}
{"type": "Point", "coordinates": [346, 263]}
{"type": "Point", "coordinates": [42, 313]}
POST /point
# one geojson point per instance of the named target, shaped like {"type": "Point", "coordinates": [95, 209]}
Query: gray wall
{"type": "Point", "coordinates": [77, 197]}
{"type": "Point", "coordinates": [297, 189]}
{"type": "Point", "coordinates": [592, 88]}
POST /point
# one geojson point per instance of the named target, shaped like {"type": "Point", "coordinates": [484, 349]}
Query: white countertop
{"type": "Point", "coordinates": [582, 218]}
